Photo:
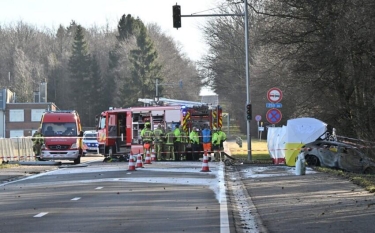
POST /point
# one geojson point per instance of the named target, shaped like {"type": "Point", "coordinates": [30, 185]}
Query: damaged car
{"type": "Point", "coordinates": [337, 155]}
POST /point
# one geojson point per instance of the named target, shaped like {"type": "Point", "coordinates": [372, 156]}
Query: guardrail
{"type": "Point", "coordinates": [16, 149]}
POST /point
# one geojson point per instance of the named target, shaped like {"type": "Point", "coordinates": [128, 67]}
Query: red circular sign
{"type": "Point", "coordinates": [274, 95]}
{"type": "Point", "coordinates": [273, 116]}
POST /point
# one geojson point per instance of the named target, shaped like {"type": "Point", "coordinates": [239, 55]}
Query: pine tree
{"type": "Point", "coordinates": [96, 103]}
{"type": "Point", "coordinates": [110, 79]}
{"type": "Point", "coordinates": [145, 68]}
{"type": "Point", "coordinates": [125, 27]}
{"type": "Point", "coordinates": [79, 66]}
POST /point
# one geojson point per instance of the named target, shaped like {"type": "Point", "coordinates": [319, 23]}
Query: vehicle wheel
{"type": "Point", "coordinates": [369, 170]}
{"type": "Point", "coordinates": [77, 160]}
{"type": "Point", "coordinates": [312, 160]}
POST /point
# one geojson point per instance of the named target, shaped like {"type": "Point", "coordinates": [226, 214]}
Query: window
{"type": "Point", "coordinates": [59, 129]}
{"type": "Point", "coordinates": [16, 133]}
{"type": "Point", "coordinates": [16, 115]}
{"type": "Point", "coordinates": [36, 114]}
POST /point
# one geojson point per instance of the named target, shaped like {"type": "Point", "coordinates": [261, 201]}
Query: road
{"type": "Point", "coordinates": [106, 197]}
{"type": "Point", "coordinates": [178, 197]}
{"type": "Point", "coordinates": [316, 202]}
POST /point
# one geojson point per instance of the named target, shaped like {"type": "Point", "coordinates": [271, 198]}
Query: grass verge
{"type": "Point", "coordinates": [4, 165]}
{"type": "Point", "coordinates": [259, 151]}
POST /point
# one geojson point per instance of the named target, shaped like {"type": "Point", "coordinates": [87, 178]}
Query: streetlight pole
{"type": "Point", "coordinates": [248, 101]}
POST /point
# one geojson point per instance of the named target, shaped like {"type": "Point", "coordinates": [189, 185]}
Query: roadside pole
{"type": "Point", "coordinates": [177, 24]}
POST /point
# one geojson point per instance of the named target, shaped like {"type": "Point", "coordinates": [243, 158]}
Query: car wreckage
{"type": "Point", "coordinates": [337, 155]}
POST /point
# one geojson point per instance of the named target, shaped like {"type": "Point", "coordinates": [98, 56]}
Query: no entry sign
{"type": "Point", "coordinates": [273, 116]}
{"type": "Point", "coordinates": [274, 95]}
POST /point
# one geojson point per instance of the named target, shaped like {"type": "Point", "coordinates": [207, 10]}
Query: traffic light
{"type": "Point", "coordinates": [177, 16]}
{"type": "Point", "coordinates": [248, 112]}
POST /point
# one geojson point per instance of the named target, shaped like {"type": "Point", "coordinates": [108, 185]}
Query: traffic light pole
{"type": "Point", "coordinates": [248, 101]}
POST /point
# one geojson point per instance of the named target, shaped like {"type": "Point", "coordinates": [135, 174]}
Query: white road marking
{"type": "Point", "coordinates": [224, 218]}
{"type": "Point", "coordinates": [99, 188]}
{"type": "Point", "coordinates": [40, 214]}
{"type": "Point", "coordinates": [75, 199]}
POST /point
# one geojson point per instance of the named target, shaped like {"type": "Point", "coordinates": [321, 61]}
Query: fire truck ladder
{"type": "Point", "coordinates": [171, 102]}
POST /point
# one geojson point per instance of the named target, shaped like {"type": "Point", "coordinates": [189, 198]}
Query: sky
{"type": "Point", "coordinates": [52, 13]}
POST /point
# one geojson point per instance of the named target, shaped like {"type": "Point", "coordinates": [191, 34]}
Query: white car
{"type": "Point", "coordinates": [90, 143]}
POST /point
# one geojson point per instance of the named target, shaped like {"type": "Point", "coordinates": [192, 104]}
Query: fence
{"type": "Point", "coordinates": [16, 149]}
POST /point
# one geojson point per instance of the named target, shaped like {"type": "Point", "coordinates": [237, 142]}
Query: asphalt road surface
{"type": "Point", "coordinates": [178, 197]}
{"type": "Point", "coordinates": [316, 202]}
{"type": "Point", "coordinates": [106, 197]}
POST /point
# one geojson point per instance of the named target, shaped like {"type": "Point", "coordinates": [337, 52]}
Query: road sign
{"type": "Point", "coordinates": [274, 105]}
{"type": "Point", "coordinates": [258, 117]}
{"type": "Point", "coordinates": [274, 95]}
{"type": "Point", "coordinates": [273, 116]}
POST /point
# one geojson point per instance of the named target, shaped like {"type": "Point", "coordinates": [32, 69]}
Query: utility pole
{"type": "Point", "coordinates": [177, 18]}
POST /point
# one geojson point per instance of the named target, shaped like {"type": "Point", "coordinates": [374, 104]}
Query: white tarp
{"type": "Point", "coordinates": [281, 141]}
{"type": "Point", "coordinates": [276, 142]}
{"type": "Point", "coordinates": [271, 138]}
{"type": "Point", "coordinates": [304, 130]}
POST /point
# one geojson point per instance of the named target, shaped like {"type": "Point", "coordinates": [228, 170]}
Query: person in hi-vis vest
{"type": "Point", "coordinates": [206, 139]}
{"type": "Point", "coordinates": [158, 141]}
{"type": "Point", "coordinates": [169, 143]}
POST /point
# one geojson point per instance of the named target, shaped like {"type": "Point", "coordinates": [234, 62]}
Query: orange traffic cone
{"type": "Point", "coordinates": [205, 167]}
{"type": "Point", "coordinates": [131, 163]}
{"type": "Point", "coordinates": [153, 155]}
{"type": "Point", "coordinates": [139, 160]}
{"type": "Point", "coordinates": [148, 158]}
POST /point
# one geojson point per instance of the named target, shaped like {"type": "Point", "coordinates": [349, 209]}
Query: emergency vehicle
{"type": "Point", "coordinates": [119, 129]}
{"type": "Point", "coordinates": [62, 133]}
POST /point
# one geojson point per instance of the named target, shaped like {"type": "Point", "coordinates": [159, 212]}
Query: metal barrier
{"type": "Point", "coordinates": [16, 149]}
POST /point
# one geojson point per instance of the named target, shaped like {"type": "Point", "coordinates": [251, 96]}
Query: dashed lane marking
{"type": "Point", "coordinates": [75, 199]}
{"type": "Point", "coordinates": [40, 215]}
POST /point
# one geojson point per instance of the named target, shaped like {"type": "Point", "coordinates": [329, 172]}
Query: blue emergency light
{"type": "Point", "coordinates": [183, 109]}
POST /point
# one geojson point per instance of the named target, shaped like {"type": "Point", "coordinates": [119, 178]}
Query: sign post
{"type": "Point", "coordinates": [258, 118]}
{"type": "Point", "coordinates": [260, 130]}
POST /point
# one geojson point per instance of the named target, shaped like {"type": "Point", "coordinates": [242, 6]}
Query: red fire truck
{"type": "Point", "coordinates": [119, 129]}
{"type": "Point", "coordinates": [62, 136]}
